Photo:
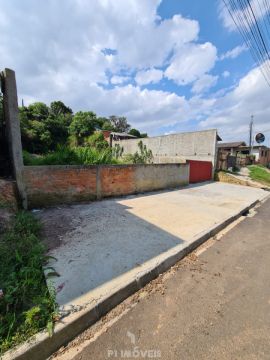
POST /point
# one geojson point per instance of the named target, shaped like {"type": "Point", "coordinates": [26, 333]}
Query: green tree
{"type": "Point", "coordinates": [36, 137]}
{"type": "Point", "coordinates": [59, 108]}
{"type": "Point", "coordinates": [38, 111]}
{"type": "Point", "coordinates": [82, 126]}
{"type": "Point", "coordinates": [100, 121]}
{"type": "Point", "coordinates": [144, 135]}
{"type": "Point", "coordinates": [58, 126]}
{"type": "Point", "coordinates": [119, 123]}
{"type": "Point", "coordinates": [135, 132]}
{"type": "Point", "coordinates": [107, 125]}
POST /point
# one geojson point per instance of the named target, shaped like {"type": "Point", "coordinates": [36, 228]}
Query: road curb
{"type": "Point", "coordinates": [41, 346]}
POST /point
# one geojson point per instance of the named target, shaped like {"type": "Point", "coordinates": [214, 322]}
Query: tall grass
{"type": "Point", "coordinates": [26, 304]}
{"type": "Point", "coordinates": [72, 156]}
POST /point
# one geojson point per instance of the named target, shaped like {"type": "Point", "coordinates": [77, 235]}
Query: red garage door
{"type": "Point", "coordinates": [199, 171]}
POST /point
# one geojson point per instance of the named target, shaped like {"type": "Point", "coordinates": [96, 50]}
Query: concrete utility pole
{"type": "Point", "coordinates": [11, 115]}
{"type": "Point", "coordinates": [251, 134]}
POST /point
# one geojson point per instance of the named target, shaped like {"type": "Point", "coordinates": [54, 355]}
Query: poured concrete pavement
{"type": "Point", "coordinates": [108, 243]}
{"type": "Point", "coordinates": [211, 306]}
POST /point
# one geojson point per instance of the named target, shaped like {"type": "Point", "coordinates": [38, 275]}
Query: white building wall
{"type": "Point", "coordinates": [177, 148]}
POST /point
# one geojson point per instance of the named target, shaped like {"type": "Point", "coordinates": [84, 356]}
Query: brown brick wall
{"type": "Point", "coordinates": [50, 185]}
{"type": "Point", "coordinates": [8, 194]}
{"type": "Point", "coordinates": [117, 180]}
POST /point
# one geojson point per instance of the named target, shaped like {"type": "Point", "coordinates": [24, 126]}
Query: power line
{"type": "Point", "coordinates": [252, 19]}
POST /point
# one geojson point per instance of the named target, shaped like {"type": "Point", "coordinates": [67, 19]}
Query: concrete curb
{"type": "Point", "coordinates": [41, 346]}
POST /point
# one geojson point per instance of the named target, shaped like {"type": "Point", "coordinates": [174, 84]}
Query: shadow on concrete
{"type": "Point", "coordinates": [104, 240]}
{"type": "Point", "coordinates": [99, 242]}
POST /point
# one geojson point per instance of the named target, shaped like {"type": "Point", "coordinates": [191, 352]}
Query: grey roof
{"type": "Point", "coordinates": [123, 135]}
{"type": "Point", "coordinates": [232, 144]}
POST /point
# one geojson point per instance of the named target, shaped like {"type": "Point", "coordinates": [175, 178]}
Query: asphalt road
{"type": "Point", "coordinates": [215, 305]}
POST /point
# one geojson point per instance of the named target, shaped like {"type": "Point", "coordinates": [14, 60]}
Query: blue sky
{"type": "Point", "coordinates": [168, 66]}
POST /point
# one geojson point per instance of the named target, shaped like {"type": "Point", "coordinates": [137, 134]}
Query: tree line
{"type": "Point", "coordinates": [44, 128]}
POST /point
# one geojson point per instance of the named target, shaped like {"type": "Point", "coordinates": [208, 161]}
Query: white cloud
{"type": "Point", "coordinates": [226, 74]}
{"type": "Point", "coordinates": [225, 17]}
{"type": "Point", "coordinates": [117, 80]}
{"type": "Point", "coordinates": [232, 112]}
{"type": "Point", "coordinates": [57, 51]}
{"type": "Point", "coordinates": [233, 53]}
{"type": "Point", "coordinates": [204, 83]}
{"type": "Point", "coordinates": [191, 62]}
{"type": "Point", "coordinates": [148, 76]}
{"type": "Point", "coordinates": [62, 42]}
{"type": "Point", "coordinates": [258, 7]}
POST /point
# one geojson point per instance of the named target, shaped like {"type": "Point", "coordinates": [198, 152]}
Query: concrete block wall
{"type": "Point", "coordinates": [161, 176]}
{"type": "Point", "coordinates": [52, 185]}
{"type": "Point", "coordinates": [177, 148]}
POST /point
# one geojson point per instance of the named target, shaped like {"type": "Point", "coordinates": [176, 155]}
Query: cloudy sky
{"type": "Point", "coordinates": [168, 66]}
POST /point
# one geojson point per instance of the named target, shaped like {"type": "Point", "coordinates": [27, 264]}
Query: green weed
{"type": "Point", "coordinates": [259, 173]}
{"type": "Point", "coordinates": [73, 156]}
{"type": "Point", "coordinates": [26, 303]}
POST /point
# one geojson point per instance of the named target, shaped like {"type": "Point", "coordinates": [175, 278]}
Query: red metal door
{"type": "Point", "coordinates": [199, 171]}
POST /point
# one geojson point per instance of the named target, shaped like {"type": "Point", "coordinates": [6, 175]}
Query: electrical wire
{"type": "Point", "coordinates": [252, 19]}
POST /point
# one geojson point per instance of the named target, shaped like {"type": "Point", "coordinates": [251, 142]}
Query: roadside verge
{"type": "Point", "coordinates": [42, 346]}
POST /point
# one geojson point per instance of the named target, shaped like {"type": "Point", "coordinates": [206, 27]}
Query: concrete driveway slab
{"type": "Point", "coordinates": [102, 245]}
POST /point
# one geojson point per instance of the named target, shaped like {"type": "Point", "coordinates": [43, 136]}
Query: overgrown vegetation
{"type": "Point", "coordinates": [94, 155]}
{"type": "Point", "coordinates": [44, 127]}
{"type": "Point", "coordinates": [142, 156]}
{"type": "Point", "coordinates": [259, 173]}
{"type": "Point", "coordinates": [26, 304]}
{"type": "Point", "coordinates": [72, 156]}
{"type": "Point", "coordinates": [53, 135]}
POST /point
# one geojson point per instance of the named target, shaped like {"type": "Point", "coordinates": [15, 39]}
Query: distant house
{"type": "Point", "coordinates": [261, 152]}
{"type": "Point", "coordinates": [111, 136]}
{"type": "Point", "coordinates": [232, 147]}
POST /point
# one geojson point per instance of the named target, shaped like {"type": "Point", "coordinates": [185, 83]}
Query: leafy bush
{"type": "Point", "coordinates": [62, 156]}
{"type": "Point", "coordinates": [97, 141]}
{"type": "Point", "coordinates": [117, 151]}
{"type": "Point", "coordinates": [72, 156]}
{"type": "Point", "coordinates": [82, 125]}
{"type": "Point", "coordinates": [88, 156]}
{"type": "Point", "coordinates": [45, 127]}
{"type": "Point", "coordinates": [143, 156]}
{"type": "Point", "coordinates": [137, 133]}
{"type": "Point", "coordinates": [26, 304]}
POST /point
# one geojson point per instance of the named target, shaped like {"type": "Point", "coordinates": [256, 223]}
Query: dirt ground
{"type": "Point", "coordinates": [56, 223]}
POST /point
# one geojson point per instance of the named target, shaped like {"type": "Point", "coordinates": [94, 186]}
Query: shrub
{"type": "Point", "coordinates": [97, 141]}
{"type": "Point", "coordinates": [72, 156]}
{"type": "Point", "coordinates": [82, 126]}
{"type": "Point", "coordinates": [26, 304]}
{"type": "Point", "coordinates": [143, 156]}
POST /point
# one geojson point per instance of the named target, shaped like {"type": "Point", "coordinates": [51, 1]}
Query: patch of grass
{"type": "Point", "coordinates": [72, 156]}
{"type": "Point", "coordinates": [259, 173]}
{"type": "Point", "coordinates": [26, 303]}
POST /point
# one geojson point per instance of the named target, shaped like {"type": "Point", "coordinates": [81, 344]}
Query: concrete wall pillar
{"type": "Point", "coordinates": [11, 114]}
